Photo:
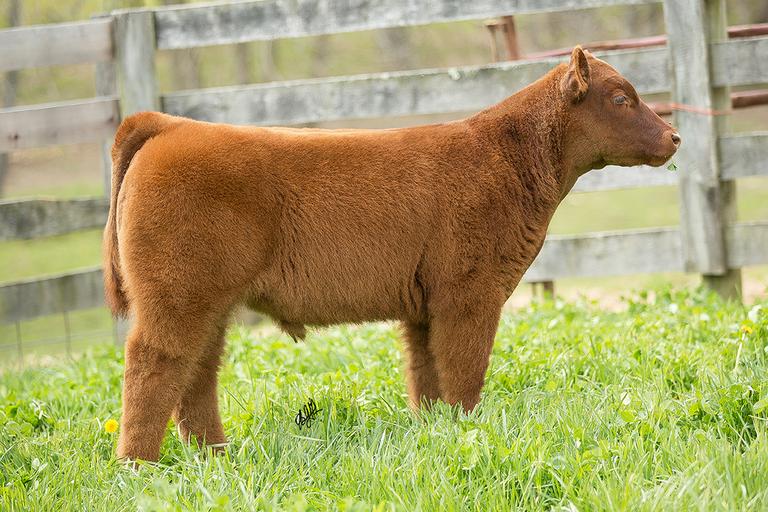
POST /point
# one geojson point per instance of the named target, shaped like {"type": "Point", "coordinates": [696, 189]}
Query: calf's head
{"type": "Point", "coordinates": [608, 123]}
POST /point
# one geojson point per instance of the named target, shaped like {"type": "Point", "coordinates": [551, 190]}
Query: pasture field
{"type": "Point", "coordinates": [661, 404]}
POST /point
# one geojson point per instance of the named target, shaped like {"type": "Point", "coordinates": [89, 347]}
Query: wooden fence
{"type": "Point", "coordinates": [698, 67]}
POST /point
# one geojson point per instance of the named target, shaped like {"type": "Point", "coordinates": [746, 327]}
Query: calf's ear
{"type": "Point", "coordinates": [576, 80]}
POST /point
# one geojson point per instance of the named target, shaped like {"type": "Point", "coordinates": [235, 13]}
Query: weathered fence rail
{"type": "Point", "coordinates": [56, 45]}
{"type": "Point", "coordinates": [191, 26]}
{"type": "Point", "coordinates": [58, 123]}
{"type": "Point", "coordinates": [34, 218]}
{"type": "Point", "coordinates": [743, 155]}
{"type": "Point", "coordinates": [698, 67]}
{"type": "Point", "coordinates": [431, 91]}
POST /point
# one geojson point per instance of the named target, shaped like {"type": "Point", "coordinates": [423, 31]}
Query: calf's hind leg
{"type": "Point", "coordinates": [197, 413]}
{"type": "Point", "coordinates": [421, 376]}
{"type": "Point", "coordinates": [160, 360]}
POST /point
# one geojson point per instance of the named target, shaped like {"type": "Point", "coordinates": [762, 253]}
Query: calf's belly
{"type": "Point", "coordinates": [336, 295]}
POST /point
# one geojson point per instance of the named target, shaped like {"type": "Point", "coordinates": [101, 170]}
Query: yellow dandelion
{"type": "Point", "coordinates": [746, 329]}
{"type": "Point", "coordinates": [110, 426]}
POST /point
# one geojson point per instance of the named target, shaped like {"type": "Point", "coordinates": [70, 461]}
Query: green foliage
{"type": "Point", "coordinates": [662, 406]}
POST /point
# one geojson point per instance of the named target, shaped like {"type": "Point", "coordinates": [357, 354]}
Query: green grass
{"type": "Point", "coordinates": [20, 259]}
{"type": "Point", "coordinates": [660, 406]}
{"type": "Point", "coordinates": [74, 190]}
{"type": "Point", "coordinates": [47, 336]}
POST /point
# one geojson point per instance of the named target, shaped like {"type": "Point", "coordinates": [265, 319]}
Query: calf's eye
{"type": "Point", "coordinates": [619, 100]}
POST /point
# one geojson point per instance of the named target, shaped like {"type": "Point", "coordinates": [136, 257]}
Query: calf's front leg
{"type": "Point", "coordinates": [461, 339]}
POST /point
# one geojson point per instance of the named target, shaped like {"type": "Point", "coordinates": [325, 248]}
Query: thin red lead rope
{"type": "Point", "coordinates": [698, 110]}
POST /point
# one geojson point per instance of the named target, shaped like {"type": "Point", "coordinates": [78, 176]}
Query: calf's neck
{"type": "Point", "coordinates": [432, 226]}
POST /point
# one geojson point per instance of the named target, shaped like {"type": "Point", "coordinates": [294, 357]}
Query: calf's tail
{"type": "Point", "coordinates": [133, 132]}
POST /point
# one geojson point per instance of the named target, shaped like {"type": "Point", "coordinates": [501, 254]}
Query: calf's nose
{"type": "Point", "coordinates": [676, 139]}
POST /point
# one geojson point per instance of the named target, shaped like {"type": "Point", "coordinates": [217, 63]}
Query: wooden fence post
{"type": "Point", "coordinates": [708, 204]}
{"type": "Point", "coordinates": [135, 80]}
{"type": "Point", "coordinates": [135, 61]}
